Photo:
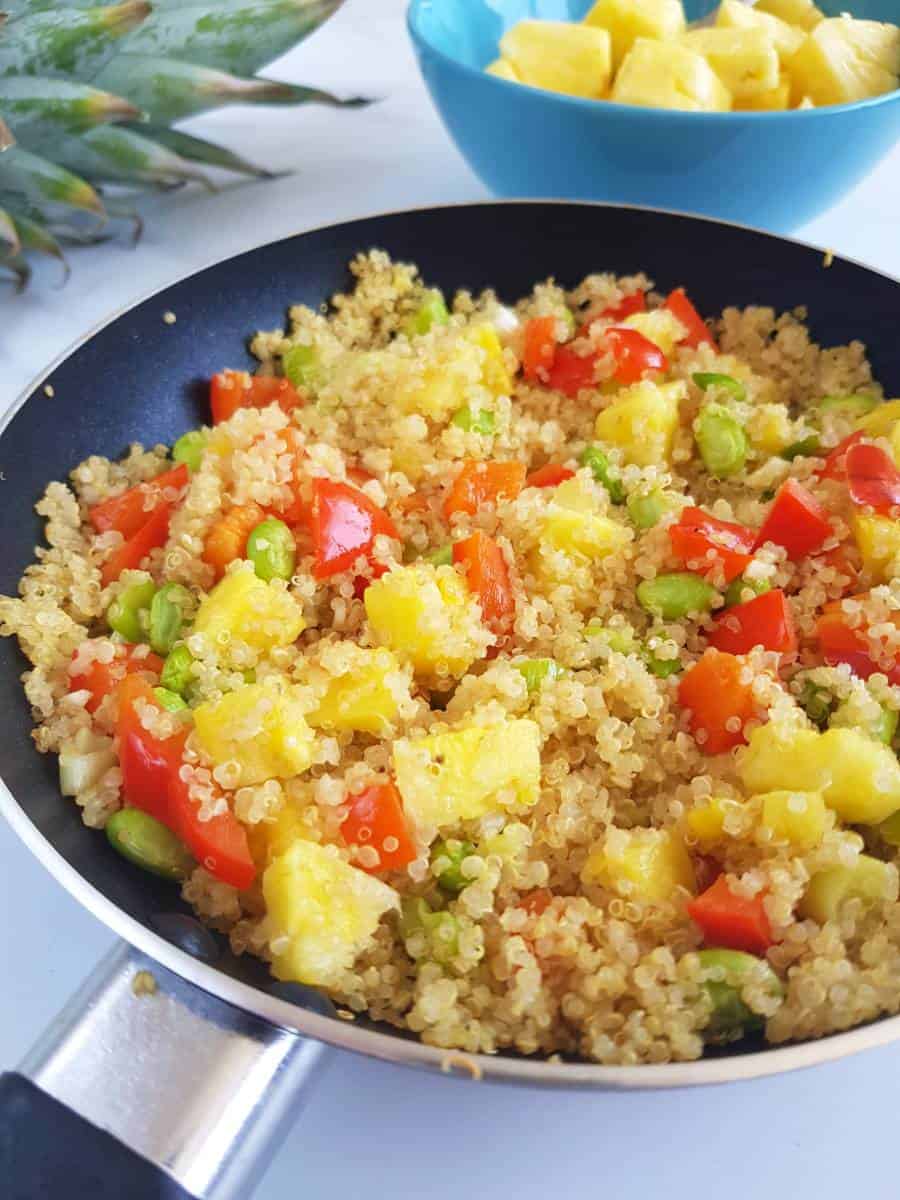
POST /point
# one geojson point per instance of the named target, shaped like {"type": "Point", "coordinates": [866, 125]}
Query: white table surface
{"type": "Point", "coordinates": [374, 1130]}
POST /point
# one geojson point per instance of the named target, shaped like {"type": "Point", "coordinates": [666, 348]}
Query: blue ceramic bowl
{"type": "Point", "coordinates": [775, 170]}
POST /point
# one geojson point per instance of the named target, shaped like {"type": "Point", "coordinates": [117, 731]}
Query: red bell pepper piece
{"type": "Point", "coordinates": [151, 781]}
{"type": "Point", "coordinates": [231, 390]}
{"type": "Point", "coordinates": [721, 703]}
{"type": "Point", "coordinates": [540, 347]}
{"type": "Point", "coordinates": [840, 642]}
{"type": "Point", "coordinates": [129, 556]}
{"type": "Point", "coordinates": [549, 475]}
{"type": "Point", "coordinates": [697, 330]}
{"type": "Point", "coordinates": [839, 558]}
{"type": "Point", "coordinates": [765, 621]}
{"type": "Point", "coordinates": [634, 302]}
{"type": "Point", "coordinates": [796, 521]}
{"type": "Point", "coordinates": [540, 899]}
{"type": "Point", "coordinates": [571, 372]}
{"type": "Point", "coordinates": [480, 483]}
{"type": "Point", "coordinates": [488, 578]}
{"type": "Point", "coordinates": [730, 920]}
{"type": "Point", "coordinates": [345, 524]}
{"type": "Point", "coordinates": [375, 818]}
{"type": "Point", "coordinates": [698, 533]}
{"type": "Point", "coordinates": [634, 354]}
{"type": "Point", "coordinates": [834, 466]}
{"type": "Point", "coordinates": [872, 479]}
{"type": "Point", "coordinates": [101, 678]}
{"type": "Point", "coordinates": [131, 510]}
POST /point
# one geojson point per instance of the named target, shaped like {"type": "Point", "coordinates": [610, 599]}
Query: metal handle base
{"type": "Point", "coordinates": [199, 1088]}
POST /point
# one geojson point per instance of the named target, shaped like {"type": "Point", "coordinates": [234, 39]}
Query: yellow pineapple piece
{"type": "Point", "coordinates": [744, 59]}
{"type": "Point", "coordinates": [844, 60]}
{"type": "Point", "coordinates": [706, 823]}
{"type": "Point", "coordinates": [445, 778]}
{"type": "Point", "coordinates": [367, 696]}
{"type": "Point", "coordinates": [627, 20]}
{"type": "Point", "coordinates": [470, 368]}
{"type": "Point", "coordinates": [323, 912]}
{"type": "Point", "coordinates": [560, 56]}
{"type": "Point", "coordinates": [733, 14]}
{"type": "Point", "coordinates": [648, 865]}
{"type": "Point", "coordinates": [658, 326]}
{"type": "Point", "coordinates": [770, 428]}
{"type": "Point", "coordinates": [261, 727]}
{"type": "Point", "coordinates": [574, 524]}
{"type": "Point", "coordinates": [882, 421]}
{"type": "Point", "coordinates": [869, 880]}
{"type": "Point", "coordinates": [776, 100]}
{"type": "Point", "coordinates": [494, 375]}
{"type": "Point", "coordinates": [503, 70]}
{"type": "Point", "coordinates": [878, 539]}
{"type": "Point", "coordinates": [802, 13]}
{"type": "Point", "coordinates": [642, 421]}
{"type": "Point", "coordinates": [245, 607]}
{"type": "Point", "coordinates": [426, 615]}
{"type": "Point", "coordinates": [799, 818]}
{"type": "Point", "coordinates": [669, 75]}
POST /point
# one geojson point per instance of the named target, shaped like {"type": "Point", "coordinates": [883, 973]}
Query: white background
{"type": "Point", "coordinates": [373, 1130]}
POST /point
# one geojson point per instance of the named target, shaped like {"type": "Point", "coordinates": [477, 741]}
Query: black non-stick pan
{"type": "Point", "coordinates": [195, 1065]}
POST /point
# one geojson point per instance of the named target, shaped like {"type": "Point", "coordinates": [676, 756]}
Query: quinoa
{"type": "Point", "coordinates": [519, 911]}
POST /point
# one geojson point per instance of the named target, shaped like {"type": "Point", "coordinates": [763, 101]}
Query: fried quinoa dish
{"type": "Point", "coordinates": [527, 677]}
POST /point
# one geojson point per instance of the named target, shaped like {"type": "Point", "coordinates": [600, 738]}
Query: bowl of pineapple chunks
{"type": "Point", "coordinates": [762, 112]}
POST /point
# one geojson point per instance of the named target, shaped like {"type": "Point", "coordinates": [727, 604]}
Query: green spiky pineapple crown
{"type": "Point", "coordinates": [89, 95]}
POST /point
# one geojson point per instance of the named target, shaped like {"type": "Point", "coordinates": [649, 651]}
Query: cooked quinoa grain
{"type": "Point", "coordinates": [536, 715]}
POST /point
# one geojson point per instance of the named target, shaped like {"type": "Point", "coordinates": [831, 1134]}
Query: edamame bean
{"type": "Point", "coordinates": [170, 606]}
{"type": "Point", "coordinates": [603, 472]}
{"type": "Point", "coordinates": [725, 383]}
{"type": "Point", "coordinates": [662, 668]}
{"type": "Point", "coordinates": [740, 590]}
{"type": "Point", "coordinates": [675, 595]}
{"type": "Point", "coordinates": [440, 928]}
{"type": "Point", "coordinates": [176, 674]}
{"type": "Point", "coordinates": [442, 557]}
{"type": "Point", "coordinates": [647, 510]}
{"type": "Point", "coordinates": [272, 550]}
{"type": "Point", "coordinates": [536, 672]}
{"type": "Point", "coordinates": [432, 311]}
{"type": "Point", "coordinates": [189, 449]}
{"type": "Point", "coordinates": [451, 879]}
{"type": "Point", "coordinates": [478, 422]}
{"type": "Point", "coordinates": [301, 366]}
{"type": "Point", "coordinates": [726, 972]}
{"type": "Point", "coordinates": [148, 844]}
{"type": "Point", "coordinates": [721, 441]}
{"type": "Point", "coordinates": [817, 702]}
{"type": "Point", "coordinates": [128, 615]}
{"type": "Point", "coordinates": [170, 701]}
{"type": "Point", "coordinates": [853, 406]}
{"type": "Point", "coordinates": [806, 448]}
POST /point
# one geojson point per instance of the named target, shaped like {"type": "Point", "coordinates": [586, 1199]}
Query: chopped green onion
{"type": "Point", "coordinates": [440, 928]}
{"type": "Point", "coordinates": [721, 441]}
{"type": "Point", "coordinates": [730, 1018]}
{"type": "Point", "coordinates": [734, 593]}
{"type": "Point", "coordinates": [536, 672]}
{"type": "Point", "coordinates": [662, 668]}
{"type": "Point", "coordinates": [676, 595]}
{"type": "Point", "coordinates": [432, 311]}
{"type": "Point", "coordinates": [478, 422]}
{"type": "Point", "coordinates": [442, 557]}
{"type": "Point", "coordinates": [726, 383]}
{"type": "Point", "coordinates": [805, 448]}
{"type": "Point", "coordinates": [170, 701]}
{"type": "Point", "coordinates": [817, 702]}
{"type": "Point", "coordinates": [603, 472]}
{"type": "Point", "coordinates": [451, 878]}
{"type": "Point", "coordinates": [189, 449]}
{"type": "Point", "coordinates": [128, 615]}
{"type": "Point", "coordinates": [882, 727]}
{"type": "Point", "coordinates": [272, 550]}
{"type": "Point", "coordinates": [176, 673]}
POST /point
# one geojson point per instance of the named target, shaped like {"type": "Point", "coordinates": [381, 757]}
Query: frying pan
{"type": "Point", "coordinates": [178, 1064]}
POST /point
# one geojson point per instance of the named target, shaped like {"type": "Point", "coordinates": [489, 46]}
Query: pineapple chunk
{"type": "Point", "coordinates": [659, 326]}
{"type": "Point", "coordinates": [269, 839]}
{"type": "Point", "coordinates": [649, 867]}
{"type": "Point", "coordinates": [262, 727]}
{"type": "Point", "coordinates": [882, 421]}
{"type": "Point", "coordinates": [858, 777]}
{"type": "Point", "coordinates": [503, 70]}
{"type": "Point", "coordinates": [869, 880]}
{"type": "Point", "coordinates": [627, 20]}
{"type": "Point", "coordinates": [323, 912]}
{"type": "Point", "coordinates": [669, 75]}
{"type": "Point", "coordinates": [471, 363]}
{"type": "Point", "coordinates": [366, 697]}
{"type": "Point", "coordinates": [776, 100]}
{"type": "Point", "coordinates": [574, 525]}
{"type": "Point", "coordinates": [744, 59]}
{"type": "Point", "coordinates": [445, 778]}
{"type": "Point", "coordinates": [706, 823]}
{"type": "Point", "coordinates": [244, 607]}
{"type": "Point", "coordinates": [770, 429]}
{"type": "Point", "coordinates": [878, 539]}
{"type": "Point", "coordinates": [799, 818]}
{"type": "Point", "coordinates": [560, 56]}
{"type": "Point", "coordinates": [802, 13]}
{"type": "Point", "coordinates": [642, 421]}
{"type": "Point", "coordinates": [733, 14]}
{"type": "Point", "coordinates": [494, 375]}
{"type": "Point", "coordinates": [843, 60]}
{"type": "Point", "coordinates": [426, 615]}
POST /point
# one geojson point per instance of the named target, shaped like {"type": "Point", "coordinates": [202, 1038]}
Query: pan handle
{"type": "Point", "coordinates": [147, 1087]}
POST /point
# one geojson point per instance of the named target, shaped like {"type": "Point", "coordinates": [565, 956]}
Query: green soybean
{"type": "Point", "coordinates": [128, 615]}
{"type": "Point", "coordinates": [536, 672]}
{"type": "Point", "coordinates": [170, 701]}
{"type": "Point", "coordinates": [662, 668]}
{"type": "Point", "coordinates": [676, 595]}
{"type": "Point", "coordinates": [618, 638]}
{"type": "Point", "coordinates": [853, 406]}
{"type": "Point", "coordinates": [301, 366]}
{"type": "Point", "coordinates": [432, 311]}
{"type": "Point", "coordinates": [735, 592]}
{"type": "Point", "coordinates": [646, 510]}
{"type": "Point", "coordinates": [805, 448]}
{"type": "Point", "coordinates": [603, 472]}
{"type": "Point", "coordinates": [440, 928]}
{"type": "Point", "coordinates": [817, 702]}
{"type": "Point", "coordinates": [148, 844]}
{"type": "Point", "coordinates": [482, 421]}
{"type": "Point", "coordinates": [730, 1017]}
{"type": "Point", "coordinates": [189, 449]}
{"type": "Point", "coordinates": [272, 550]}
{"type": "Point", "coordinates": [725, 383]}
{"type": "Point", "coordinates": [451, 879]}
{"type": "Point", "coordinates": [176, 674]}
{"type": "Point", "coordinates": [721, 441]}
{"type": "Point", "coordinates": [442, 557]}
{"type": "Point", "coordinates": [170, 606]}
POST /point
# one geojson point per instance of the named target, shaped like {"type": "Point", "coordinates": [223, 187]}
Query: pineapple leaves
{"type": "Point", "coordinates": [38, 180]}
{"type": "Point", "coordinates": [67, 41]}
{"type": "Point", "coordinates": [37, 239]}
{"type": "Point", "coordinates": [198, 150]}
{"type": "Point", "coordinates": [38, 110]}
{"type": "Point", "coordinates": [6, 137]}
{"type": "Point", "coordinates": [9, 235]}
